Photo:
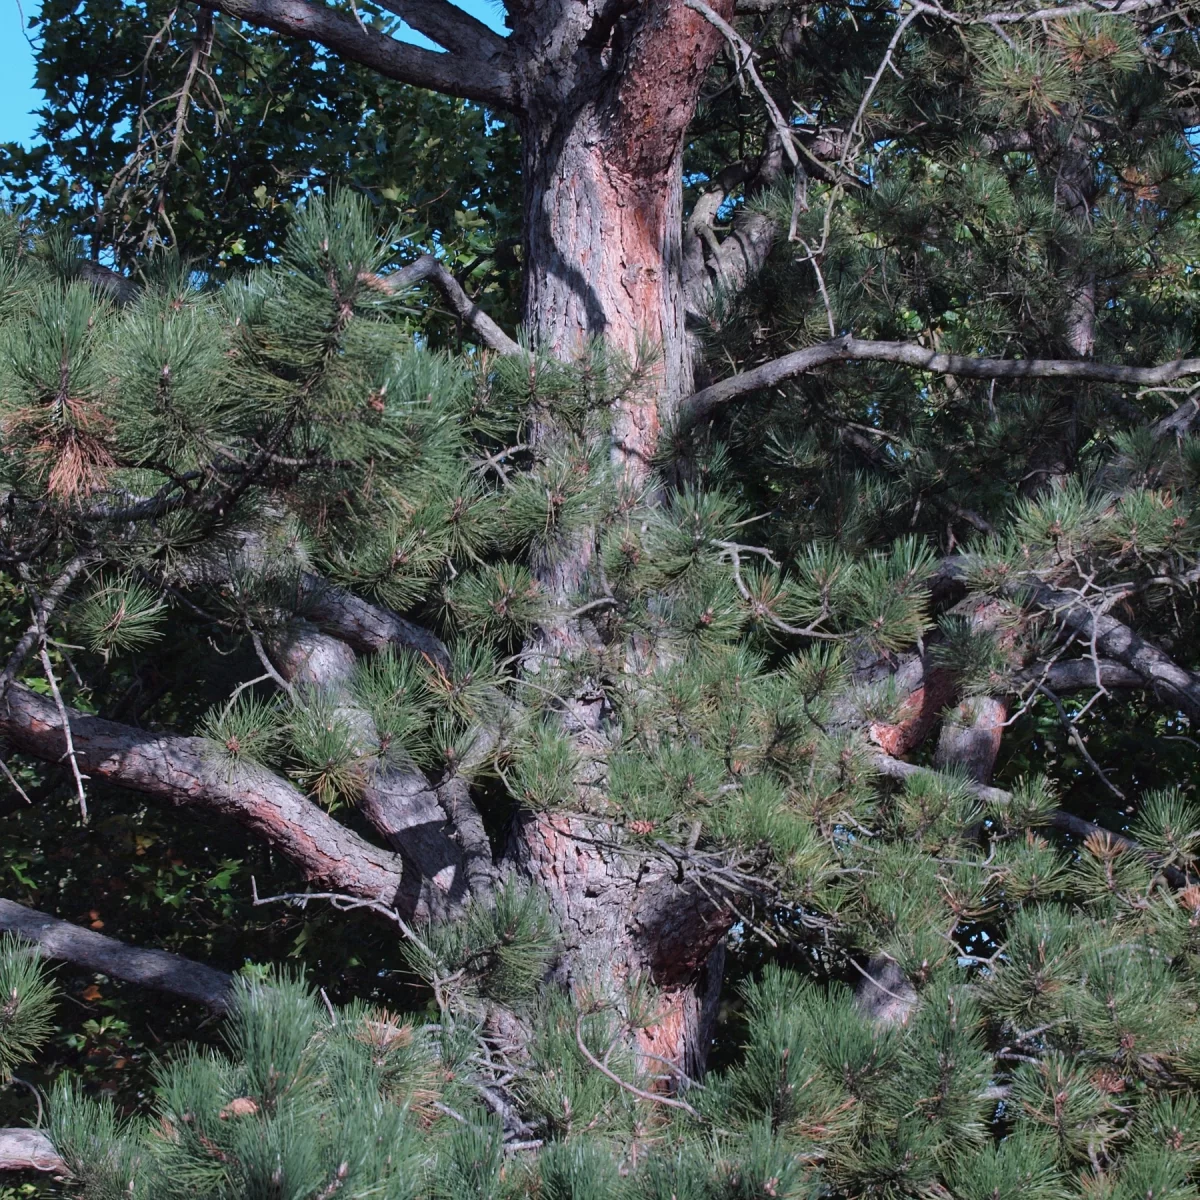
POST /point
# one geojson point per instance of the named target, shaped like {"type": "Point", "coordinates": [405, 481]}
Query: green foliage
{"type": "Point", "coordinates": [817, 575]}
{"type": "Point", "coordinates": [247, 728]}
{"type": "Point", "coordinates": [500, 950]}
{"type": "Point", "coordinates": [26, 1004]}
{"type": "Point", "coordinates": [121, 614]}
{"type": "Point", "coordinates": [500, 603]}
{"type": "Point", "coordinates": [267, 119]}
{"type": "Point", "coordinates": [392, 687]}
{"type": "Point", "coordinates": [328, 759]}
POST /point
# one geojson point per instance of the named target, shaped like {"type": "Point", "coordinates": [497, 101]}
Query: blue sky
{"type": "Point", "coordinates": [18, 97]}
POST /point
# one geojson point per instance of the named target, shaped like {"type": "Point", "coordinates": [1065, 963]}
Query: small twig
{"type": "Point", "coordinates": [669, 1101]}
{"type": "Point", "coordinates": [875, 982]}
{"type": "Point", "coordinates": [66, 724]}
{"type": "Point", "coordinates": [592, 606]}
{"type": "Point", "coordinates": [268, 666]}
{"type": "Point", "coordinates": [666, 1062]}
{"type": "Point", "coordinates": [43, 610]}
{"type": "Point", "coordinates": [496, 461]}
{"type": "Point", "coordinates": [743, 54]}
{"type": "Point", "coordinates": [37, 1095]}
{"type": "Point", "coordinates": [852, 135]}
{"type": "Point", "coordinates": [241, 687]}
{"type": "Point", "coordinates": [1074, 735]}
{"type": "Point", "coordinates": [329, 1008]}
{"type": "Point", "coordinates": [811, 256]}
{"type": "Point", "coordinates": [732, 551]}
{"type": "Point", "coordinates": [13, 780]}
{"type": "Point", "coordinates": [343, 903]}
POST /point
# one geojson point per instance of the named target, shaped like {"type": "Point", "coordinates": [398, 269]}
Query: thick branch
{"type": "Point", "coordinates": [1178, 423]}
{"type": "Point", "coordinates": [846, 349]}
{"type": "Point", "coordinates": [1117, 641]}
{"type": "Point", "coordinates": [429, 269]}
{"type": "Point", "coordinates": [449, 26]}
{"type": "Point", "coordinates": [1081, 675]}
{"type": "Point", "coordinates": [397, 799]}
{"type": "Point", "coordinates": [29, 1150]}
{"type": "Point", "coordinates": [93, 951]}
{"type": "Point", "coordinates": [484, 79]}
{"type": "Point", "coordinates": [365, 626]}
{"type": "Point", "coordinates": [191, 771]}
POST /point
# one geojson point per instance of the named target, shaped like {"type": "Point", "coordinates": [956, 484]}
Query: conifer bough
{"type": "Point", "coordinates": [613, 672]}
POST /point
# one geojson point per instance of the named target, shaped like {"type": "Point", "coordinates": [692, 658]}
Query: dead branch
{"type": "Point", "coordinates": [43, 610]}
{"type": "Point", "coordinates": [608, 1073]}
{"type": "Point", "coordinates": [69, 753]}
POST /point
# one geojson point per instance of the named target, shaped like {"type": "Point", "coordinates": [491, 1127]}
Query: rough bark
{"type": "Point", "coordinates": [970, 737]}
{"type": "Point", "coordinates": [155, 969]}
{"type": "Point", "coordinates": [29, 1150]}
{"type": "Point", "coordinates": [396, 797]}
{"type": "Point", "coordinates": [626, 916]}
{"type": "Point", "coordinates": [190, 772]}
{"type": "Point", "coordinates": [716, 269]}
{"type": "Point", "coordinates": [1081, 675]}
{"type": "Point", "coordinates": [607, 91]}
{"type": "Point", "coordinates": [971, 733]}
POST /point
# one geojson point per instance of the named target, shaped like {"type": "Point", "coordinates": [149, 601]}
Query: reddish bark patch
{"type": "Point", "coordinates": [667, 1038]}
{"type": "Point", "coordinates": [920, 712]}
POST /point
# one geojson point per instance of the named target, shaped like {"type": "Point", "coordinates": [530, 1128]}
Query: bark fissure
{"type": "Point", "coordinates": [191, 772]}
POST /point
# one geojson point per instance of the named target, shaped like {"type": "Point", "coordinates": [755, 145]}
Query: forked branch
{"type": "Point", "coordinates": [428, 269]}
{"type": "Point", "coordinates": [470, 76]}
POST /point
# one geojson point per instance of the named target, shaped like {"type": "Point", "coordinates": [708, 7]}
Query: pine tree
{"type": "Point", "coordinates": [574, 672]}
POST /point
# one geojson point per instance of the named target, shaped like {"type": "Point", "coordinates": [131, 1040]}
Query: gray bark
{"type": "Point", "coordinates": [704, 403]}
{"type": "Point", "coordinates": [190, 772]}
{"type": "Point", "coordinates": [29, 1150]}
{"type": "Point", "coordinates": [484, 76]}
{"type": "Point", "coordinates": [155, 969]}
{"type": "Point", "coordinates": [1116, 641]}
{"type": "Point", "coordinates": [397, 798]}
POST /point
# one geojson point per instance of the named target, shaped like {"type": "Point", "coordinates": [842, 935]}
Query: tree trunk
{"type": "Point", "coordinates": [607, 94]}
{"type": "Point", "coordinates": [627, 917]}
